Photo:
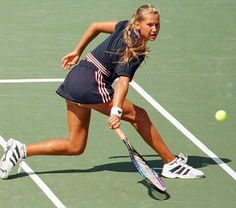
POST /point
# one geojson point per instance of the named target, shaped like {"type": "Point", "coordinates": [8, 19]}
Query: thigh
{"type": "Point", "coordinates": [78, 119]}
{"type": "Point", "coordinates": [130, 110]}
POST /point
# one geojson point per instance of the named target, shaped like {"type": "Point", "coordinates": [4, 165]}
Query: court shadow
{"type": "Point", "coordinates": [200, 162]}
{"type": "Point", "coordinates": [195, 161]}
{"type": "Point", "coordinates": [127, 166]}
{"type": "Point", "coordinates": [113, 167]}
{"type": "Point", "coordinates": [154, 193]}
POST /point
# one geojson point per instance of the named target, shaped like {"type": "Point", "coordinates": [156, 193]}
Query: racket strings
{"type": "Point", "coordinates": [148, 173]}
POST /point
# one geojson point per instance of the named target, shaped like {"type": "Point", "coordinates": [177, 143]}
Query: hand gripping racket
{"type": "Point", "coordinates": [141, 165]}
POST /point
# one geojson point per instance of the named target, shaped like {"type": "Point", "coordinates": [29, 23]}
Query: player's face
{"type": "Point", "coordinates": [149, 27]}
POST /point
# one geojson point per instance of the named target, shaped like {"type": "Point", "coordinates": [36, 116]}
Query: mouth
{"type": "Point", "coordinates": [153, 35]}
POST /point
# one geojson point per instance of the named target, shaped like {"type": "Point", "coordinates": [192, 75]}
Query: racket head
{"type": "Point", "coordinates": [144, 169]}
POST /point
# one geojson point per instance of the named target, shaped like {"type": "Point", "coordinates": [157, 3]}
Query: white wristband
{"type": "Point", "coordinates": [116, 111]}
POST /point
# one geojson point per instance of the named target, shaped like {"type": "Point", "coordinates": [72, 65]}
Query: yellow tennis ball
{"type": "Point", "coordinates": [220, 115]}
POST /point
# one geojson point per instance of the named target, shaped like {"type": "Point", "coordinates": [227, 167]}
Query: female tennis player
{"type": "Point", "coordinates": [88, 86]}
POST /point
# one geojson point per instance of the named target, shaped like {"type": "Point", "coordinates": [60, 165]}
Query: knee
{"type": "Point", "coordinates": [75, 148]}
{"type": "Point", "coordinates": [139, 115]}
{"type": "Point", "coordinates": [141, 120]}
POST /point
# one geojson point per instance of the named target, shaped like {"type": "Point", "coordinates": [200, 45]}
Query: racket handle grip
{"type": "Point", "coordinates": [120, 133]}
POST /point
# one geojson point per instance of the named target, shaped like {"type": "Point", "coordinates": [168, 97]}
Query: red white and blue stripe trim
{"type": "Point", "coordinates": [101, 70]}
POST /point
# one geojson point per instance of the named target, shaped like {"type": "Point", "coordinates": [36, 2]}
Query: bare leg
{"type": "Point", "coordinates": [140, 120]}
{"type": "Point", "coordinates": [78, 124]}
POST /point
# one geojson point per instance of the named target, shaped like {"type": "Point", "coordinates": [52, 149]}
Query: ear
{"type": "Point", "coordinates": [137, 25]}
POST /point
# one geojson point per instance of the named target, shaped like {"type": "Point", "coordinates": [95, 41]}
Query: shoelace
{"type": "Point", "coordinates": [183, 157]}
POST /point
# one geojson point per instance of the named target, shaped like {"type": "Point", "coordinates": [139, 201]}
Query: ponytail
{"type": "Point", "coordinates": [136, 46]}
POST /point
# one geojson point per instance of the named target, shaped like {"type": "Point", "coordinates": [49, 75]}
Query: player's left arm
{"type": "Point", "coordinates": [120, 93]}
{"type": "Point", "coordinates": [105, 27]}
{"type": "Point", "coordinates": [92, 32]}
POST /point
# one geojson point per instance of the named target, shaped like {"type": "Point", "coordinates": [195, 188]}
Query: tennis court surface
{"type": "Point", "coordinates": [190, 73]}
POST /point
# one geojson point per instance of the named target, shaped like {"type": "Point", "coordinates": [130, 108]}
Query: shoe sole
{"type": "Point", "coordinates": [182, 177]}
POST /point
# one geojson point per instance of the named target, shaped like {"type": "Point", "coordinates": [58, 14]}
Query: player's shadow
{"type": "Point", "coordinates": [195, 161]}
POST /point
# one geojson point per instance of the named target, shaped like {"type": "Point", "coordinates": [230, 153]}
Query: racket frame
{"type": "Point", "coordinates": [132, 152]}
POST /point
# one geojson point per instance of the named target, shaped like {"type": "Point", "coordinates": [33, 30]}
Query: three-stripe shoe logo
{"type": "Point", "coordinates": [180, 169]}
{"type": "Point", "coordinates": [15, 156]}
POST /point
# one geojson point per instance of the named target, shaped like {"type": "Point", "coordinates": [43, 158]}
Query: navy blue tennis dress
{"type": "Point", "coordinates": [90, 81]}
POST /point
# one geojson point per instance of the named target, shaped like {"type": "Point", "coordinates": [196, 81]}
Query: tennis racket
{"type": "Point", "coordinates": [141, 165]}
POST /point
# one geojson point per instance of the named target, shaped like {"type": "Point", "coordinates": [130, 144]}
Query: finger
{"type": "Point", "coordinates": [63, 59]}
{"type": "Point", "coordinates": [68, 66]}
{"type": "Point", "coordinates": [116, 126]}
{"type": "Point", "coordinates": [64, 65]}
{"type": "Point", "coordinates": [111, 121]}
{"type": "Point", "coordinates": [114, 123]}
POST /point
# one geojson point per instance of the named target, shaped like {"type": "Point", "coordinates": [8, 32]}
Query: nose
{"type": "Point", "coordinates": [154, 29]}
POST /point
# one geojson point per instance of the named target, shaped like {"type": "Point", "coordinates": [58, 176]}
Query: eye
{"type": "Point", "coordinates": [150, 24]}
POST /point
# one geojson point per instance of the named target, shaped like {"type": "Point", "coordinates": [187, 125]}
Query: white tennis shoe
{"type": "Point", "coordinates": [15, 152]}
{"type": "Point", "coordinates": [180, 169]}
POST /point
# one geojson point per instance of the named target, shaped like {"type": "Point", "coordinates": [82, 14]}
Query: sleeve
{"type": "Point", "coordinates": [121, 24]}
{"type": "Point", "coordinates": [128, 69]}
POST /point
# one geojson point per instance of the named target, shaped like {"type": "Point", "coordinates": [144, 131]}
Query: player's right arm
{"type": "Point", "coordinates": [92, 32]}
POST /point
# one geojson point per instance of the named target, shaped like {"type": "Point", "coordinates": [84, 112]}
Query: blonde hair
{"type": "Point", "coordinates": [136, 47]}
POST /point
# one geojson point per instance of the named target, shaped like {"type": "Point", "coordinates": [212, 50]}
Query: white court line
{"type": "Point", "coordinates": [15, 81]}
{"type": "Point", "coordinates": [37, 180]}
{"type": "Point", "coordinates": [181, 128]}
{"type": "Point", "coordinates": [160, 109]}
